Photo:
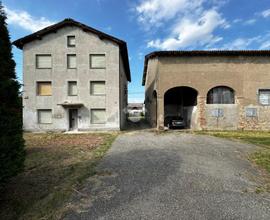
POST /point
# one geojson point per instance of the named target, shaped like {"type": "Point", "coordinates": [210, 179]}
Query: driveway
{"type": "Point", "coordinates": [172, 176]}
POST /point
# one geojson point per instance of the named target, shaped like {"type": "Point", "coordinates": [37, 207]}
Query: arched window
{"type": "Point", "coordinates": [220, 95]}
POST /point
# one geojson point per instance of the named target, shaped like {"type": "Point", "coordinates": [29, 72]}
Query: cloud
{"type": "Point", "coordinates": [266, 13]}
{"type": "Point", "coordinates": [192, 32]}
{"type": "Point", "coordinates": [240, 43]}
{"type": "Point", "coordinates": [154, 12]}
{"type": "Point", "coordinates": [191, 22]}
{"type": "Point", "coordinates": [260, 42]}
{"type": "Point", "coordinates": [237, 20]}
{"type": "Point", "coordinates": [265, 45]}
{"type": "Point", "coordinates": [250, 22]}
{"type": "Point", "coordinates": [26, 21]}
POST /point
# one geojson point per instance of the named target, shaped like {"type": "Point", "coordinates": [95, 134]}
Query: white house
{"type": "Point", "coordinates": [75, 78]}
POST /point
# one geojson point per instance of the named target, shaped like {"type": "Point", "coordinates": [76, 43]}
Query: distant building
{"type": "Point", "coordinates": [136, 109]}
{"type": "Point", "coordinates": [208, 89]}
{"type": "Point", "coordinates": [75, 78]}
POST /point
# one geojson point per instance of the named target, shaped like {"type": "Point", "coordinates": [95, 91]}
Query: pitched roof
{"type": "Point", "coordinates": [193, 53]}
{"type": "Point", "coordinates": [70, 22]}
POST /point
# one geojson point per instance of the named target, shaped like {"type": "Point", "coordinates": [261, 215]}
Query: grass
{"type": "Point", "coordinates": [56, 164]}
{"type": "Point", "coordinates": [261, 156]}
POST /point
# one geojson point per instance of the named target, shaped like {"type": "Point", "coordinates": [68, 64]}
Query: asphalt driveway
{"type": "Point", "coordinates": [172, 176]}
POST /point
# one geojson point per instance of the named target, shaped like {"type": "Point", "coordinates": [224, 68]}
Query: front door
{"type": "Point", "coordinates": [73, 119]}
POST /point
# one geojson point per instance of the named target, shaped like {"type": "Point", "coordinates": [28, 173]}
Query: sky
{"type": "Point", "coordinates": [149, 25]}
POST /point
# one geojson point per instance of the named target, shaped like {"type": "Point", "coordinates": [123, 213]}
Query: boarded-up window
{"type": "Point", "coordinates": [98, 116]}
{"type": "Point", "coordinates": [251, 112]}
{"type": "Point", "coordinates": [97, 87]}
{"type": "Point", "coordinates": [44, 61]}
{"type": "Point", "coordinates": [44, 88]}
{"type": "Point", "coordinates": [44, 116]}
{"type": "Point", "coordinates": [71, 61]}
{"type": "Point", "coordinates": [218, 113]}
{"type": "Point", "coordinates": [264, 96]}
{"type": "Point", "coordinates": [97, 61]}
{"type": "Point", "coordinates": [71, 41]}
{"type": "Point", "coordinates": [72, 88]}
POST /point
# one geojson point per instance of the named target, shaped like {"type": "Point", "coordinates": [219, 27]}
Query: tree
{"type": "Point", "coordinates": [12, 152]}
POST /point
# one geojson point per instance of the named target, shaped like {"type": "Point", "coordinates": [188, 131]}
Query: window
{"type": "Point", "coordinates": [98, 116]}
{"type": "Point", "coordinates": [264, 96]}
{"type": "Point", "coordinates": [251, 112]}
{"type": "Point", "coordinates": [44, 88]}
{"type": "Point", "coordinates": [97, 87]}
{"type": "Point", "coordinates": [43, 61]}
{"type": "Point", "coordinates": [218, 113]}
{"type": "Point", "coordinates": [44, 116]}
{"type": "Point", "coordinates": [97, 61]}
{"type": "Point", "coordinates": [71, 42]}
{"type": "Point", "coordinates": [71, 61]}
{"type": "Point", "coordinates": [72, 88]}
{"type": "Point", "coordinates": [220, 95]}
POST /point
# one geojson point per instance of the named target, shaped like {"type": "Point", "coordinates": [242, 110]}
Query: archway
{"type": "Point", "coordinates": [179, 102]}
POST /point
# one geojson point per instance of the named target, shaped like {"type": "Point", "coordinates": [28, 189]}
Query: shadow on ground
{"type": "Point", "coordinates": [137, 124]}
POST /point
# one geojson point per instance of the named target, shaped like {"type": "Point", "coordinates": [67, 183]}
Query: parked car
{"type": "Point", "coordinates": [175, 122]}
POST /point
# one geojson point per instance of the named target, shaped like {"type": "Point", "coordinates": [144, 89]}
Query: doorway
{"type": "Point", "coordinates": [73, 119]}
{"type": "Point", "coordinates": [179, 103]}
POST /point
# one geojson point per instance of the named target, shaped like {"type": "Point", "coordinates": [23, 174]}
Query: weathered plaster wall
{"type": "Point", "coordinates": [246, 75]}
{"type": "Point", "coordinates": [151, 88]}
{"type": "Point", "coordinates": [56, 44]}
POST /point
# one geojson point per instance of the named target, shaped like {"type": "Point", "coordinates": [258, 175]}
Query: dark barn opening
{"type": "Point", "coordinates": [179, 102]}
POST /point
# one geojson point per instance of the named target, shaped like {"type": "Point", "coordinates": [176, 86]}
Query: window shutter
{"type": "Point", "coordinates": [44, 88]}
{"type": "Point", "coordinates": [45, 116]}
{"type": "Point", "coordinates": [44, 61]}
{"type": "Point", "coordinates": [72, 88]}
{"type": "Point", "coordinates": [98, 88]}
{"type": "Point", "coordinates": [98, 116]}
{"type": "Point", "coordinates": [71, 61]}
{"type": "Point", "coordinates": [97, 61]}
